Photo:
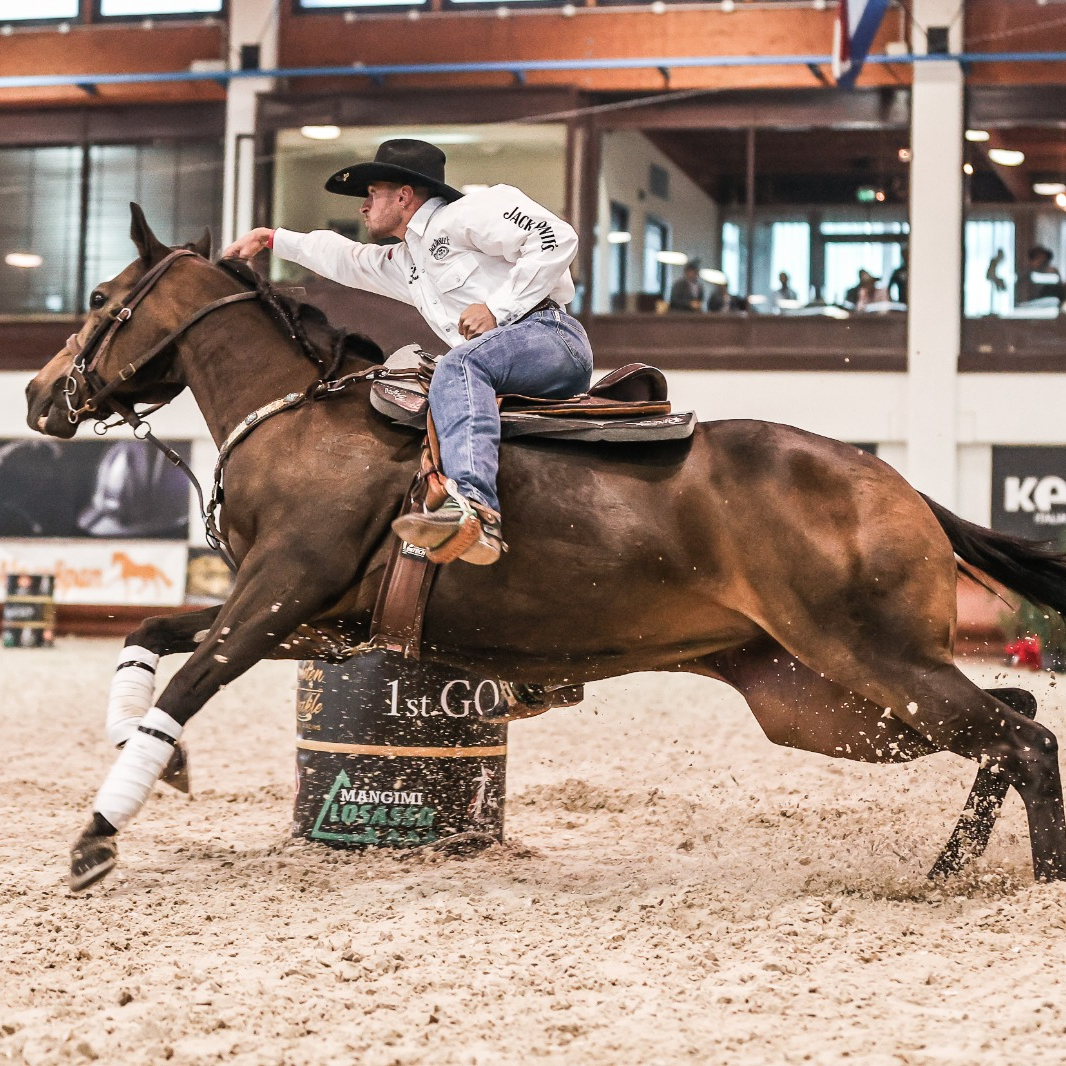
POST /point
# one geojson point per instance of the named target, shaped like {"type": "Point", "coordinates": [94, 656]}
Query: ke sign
{"type": "Point", "coordinates": [1029, 491]}
{"type": "Point", "coordinates": [103, 572]}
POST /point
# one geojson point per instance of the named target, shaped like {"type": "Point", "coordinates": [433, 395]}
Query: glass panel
{"type": "Point", "coordinates": [790, 263]}
{"type": "Point", "coordinates": [989, 279]}
{"type": "Point", "coordinates": [320, 5]}
{"type": "Point", "coordinates": [179, 187]}
{"type": "Point", "coordinates": [20, 11]}
{"type": "Point", "coordinates": [531, 157]}
{"type": "Point", "coordinates": [827, 203]}
{"type": "Point", "coordinates": [618, 240]}
{"type": "Point", "coordinates": [39, 224]}
{"type": "Point", "coordinates": [656, 241]}
{"type": "Point", "coordinates": [1015, 238]}
{"type": "Point", "coordinates": [127, 8]}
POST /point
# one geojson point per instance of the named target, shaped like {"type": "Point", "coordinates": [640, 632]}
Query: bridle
{"type": "Point", "coordinates": [88, 356]}
{"type": "Point", "coordinates": [86, 359]}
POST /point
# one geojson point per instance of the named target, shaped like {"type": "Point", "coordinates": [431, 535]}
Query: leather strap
{"type": "Point", "coordinates": [401, 604]}
{"type": "Point", "coordinates": [400, 609]}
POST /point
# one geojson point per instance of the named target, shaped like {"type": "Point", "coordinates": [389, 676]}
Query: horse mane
{"type": "Point", "coordinates": [324, 344]}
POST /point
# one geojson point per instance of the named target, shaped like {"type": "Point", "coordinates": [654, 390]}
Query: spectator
{"type": "Point", "coordinates": [1043, 279]}
{"type": "Point", "coordinates": [784, 293]}
{"type": "Point", "coordinates": [897, 282]}
{"type": "Point", "coordinates": [687, 292]}
{"type": "Point", "coordinates": [866, 292]}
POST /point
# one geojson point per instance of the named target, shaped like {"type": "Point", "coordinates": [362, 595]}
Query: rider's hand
{"type": "Point", "coordinates": [250, 245]}
{"type": "Point", "coordinates": [475, 320]}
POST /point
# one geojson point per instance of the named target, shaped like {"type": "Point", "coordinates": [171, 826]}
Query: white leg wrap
{"type": "Point", "coordinates": [132, 690]}
{"type": "Point", "coordinates": [137, 768]}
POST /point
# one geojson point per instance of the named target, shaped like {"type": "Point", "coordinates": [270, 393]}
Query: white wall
{"type": "Point", "coordinates": [691, 214]}
{"type": "Point", "coordinates": [992, 409]}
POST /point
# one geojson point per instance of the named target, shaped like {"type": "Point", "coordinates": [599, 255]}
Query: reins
{"type": "Point", "coordinates": [87, 357]}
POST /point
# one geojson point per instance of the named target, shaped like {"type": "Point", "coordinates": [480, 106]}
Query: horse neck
{"type": "Point", "coordinates": [237, 360]}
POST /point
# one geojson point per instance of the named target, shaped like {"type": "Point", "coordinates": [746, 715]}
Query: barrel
{"type": "Point", "coordinates": [29, 615]}
{"type": "Point", "coordinates": [392, 752]}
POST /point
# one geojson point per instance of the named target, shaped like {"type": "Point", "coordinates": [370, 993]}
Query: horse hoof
{"type": "Point", "coordinates": [177, 772]}
{"type": "Point", "coordinates": [91, 859]}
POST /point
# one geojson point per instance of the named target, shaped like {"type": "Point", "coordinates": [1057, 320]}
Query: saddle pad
{"type": "Point", "coordinates": [674, 426]}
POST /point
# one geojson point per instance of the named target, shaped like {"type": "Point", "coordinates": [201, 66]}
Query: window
{"type": "Point", "coordinates": [656, 242]}
{"type": "Point", "coordinates": [179, 188]}
{"type": "Point", "coordinates": [42, 226]}
{"type": "Point", "coordinates": [147, 8]}
{"type": "Point", "coordinates": [39, 11]}
{"type": "Point", "coordinates": [618, 240]}
{"type": "Point", "coordinates": [39, 229]}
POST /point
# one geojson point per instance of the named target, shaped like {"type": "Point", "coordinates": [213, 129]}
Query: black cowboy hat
{"type": "Point", "coordinates": [405, 161]}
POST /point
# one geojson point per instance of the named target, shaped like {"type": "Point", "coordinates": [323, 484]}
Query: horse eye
{"type": "Point", "coordinates": [97, 300]}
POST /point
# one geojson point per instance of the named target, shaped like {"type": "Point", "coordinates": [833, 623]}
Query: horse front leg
{"type": "Point", "coordinates": [133, 685]}
{"type": "Point", "coordinates": [255, 619]}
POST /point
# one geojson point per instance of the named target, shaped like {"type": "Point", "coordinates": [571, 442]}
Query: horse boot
{"type": "Point", "coordinates": [458, 529]}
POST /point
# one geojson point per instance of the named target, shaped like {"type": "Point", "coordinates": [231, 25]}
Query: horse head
{"type": "Point", "coordinates": [91, 376]}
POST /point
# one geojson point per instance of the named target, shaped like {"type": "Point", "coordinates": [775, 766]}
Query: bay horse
{"type": "Point", "coordinates": [803, 572]}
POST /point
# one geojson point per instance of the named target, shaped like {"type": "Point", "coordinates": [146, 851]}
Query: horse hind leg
{"type": "Point", "coordinates": [799, 708]}
{"type": "Point", "coordinates": [974, 828]}
{"type": "Point", "coordinates": [941, 704]}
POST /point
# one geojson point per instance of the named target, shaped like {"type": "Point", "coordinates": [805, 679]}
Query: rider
{"type": "Point", "coordinates": [488, 272]}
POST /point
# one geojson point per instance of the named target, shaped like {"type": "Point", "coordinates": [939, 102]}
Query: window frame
{"type": "Point", "coordinates": [100, 18]}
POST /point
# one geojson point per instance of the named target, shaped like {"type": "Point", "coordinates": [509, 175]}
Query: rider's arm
{"type": "Point", "coordinates": [504, 221]}
{"type": "Point", "coordinates": [375, 268]}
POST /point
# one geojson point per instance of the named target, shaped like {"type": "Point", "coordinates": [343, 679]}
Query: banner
{"type": "Point", "coordinates": [106, 573]}
{"type": "Point", "coordinates": [856, 26]}
{"type": "Point", "coordinates": [1029, 491]}
{"type": "Point", "coordinates": [123, 489]}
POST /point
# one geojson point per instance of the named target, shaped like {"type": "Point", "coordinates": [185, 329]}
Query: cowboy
{"type": "Point", "coordinates": [489, 272]}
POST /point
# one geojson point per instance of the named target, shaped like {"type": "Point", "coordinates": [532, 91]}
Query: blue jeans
{"type": "Point", "coordinates": [546, 355]}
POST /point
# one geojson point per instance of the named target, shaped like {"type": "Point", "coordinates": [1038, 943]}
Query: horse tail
{"type": "Point", "coordinates": [1032, 568]}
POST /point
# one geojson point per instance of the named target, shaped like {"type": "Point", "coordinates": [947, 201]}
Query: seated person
{"type": "Point", "coordinates": [686, 294]}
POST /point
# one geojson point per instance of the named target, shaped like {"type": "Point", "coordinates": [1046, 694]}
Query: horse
{"type": "Point", "coordinates": [801, 571]}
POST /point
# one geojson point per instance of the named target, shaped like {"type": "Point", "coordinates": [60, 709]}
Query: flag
{"type": "Point", "coordinates": [856, 26]}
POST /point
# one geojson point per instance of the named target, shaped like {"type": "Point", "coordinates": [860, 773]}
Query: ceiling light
{"type": "Point", "coordinates": [904, 155]}
{"type": "Point", "coordinates": [1060, 199]}
{"type": "Point", "coordinates": [443, 137]}
{"type": "Point", "coordinates": [25, 260]}
{"type": "Point", "coordinates": [672, 258]}
{"type": "Point", "coordinates": [977, 135]}
{"type": "Point", "coordinates": [321, 133]}
{"type": "Point", "coordinates": [619, 236]}
{"type": "Point", "coordinates": [1006, 157]}
{"type": "Point", "coordinates": [967, 168]}
{"type": "Point", "coordinates": [714, 277]}
{"type": "Point", "coordinates": [1049, 188]}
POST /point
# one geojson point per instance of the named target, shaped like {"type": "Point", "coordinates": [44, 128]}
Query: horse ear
{"type": "Point", "coordinates": [203, 245]}
{"type": "Point", "coordinates": [148, 244]}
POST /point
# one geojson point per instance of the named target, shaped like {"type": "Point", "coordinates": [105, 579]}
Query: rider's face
{"type": "Point", "coordinates": [383, 210]}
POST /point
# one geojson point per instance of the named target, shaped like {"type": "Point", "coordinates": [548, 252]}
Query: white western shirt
{"type": "Point", "coordinates": [495, 247]}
